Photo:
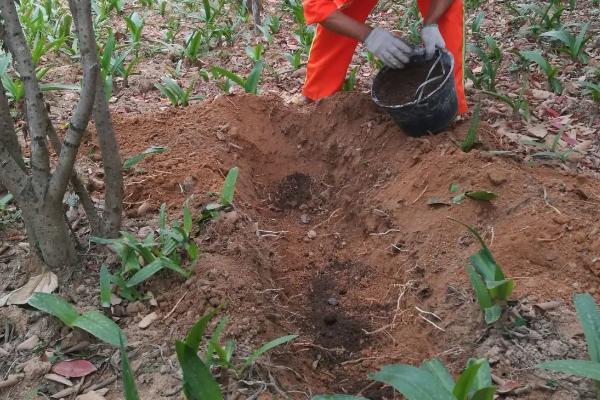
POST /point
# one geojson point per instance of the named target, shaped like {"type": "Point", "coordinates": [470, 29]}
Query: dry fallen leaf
{"type": "Point", "coordinates": [46, 282]}
{"type": "Point", "coordinates": [147, 320]}
{"type": "Point", "coordinates": [59, 379]}
{"type": "Point", "coordinates": [74, 368]}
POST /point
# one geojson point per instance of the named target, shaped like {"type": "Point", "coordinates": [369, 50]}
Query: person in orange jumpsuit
{"type": "Point", "coordinates": [341, 26]}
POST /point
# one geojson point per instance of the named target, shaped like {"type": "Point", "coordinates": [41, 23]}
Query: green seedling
{"type": "Point", "coordinates": [133, 161]}
{"type": "Point", "coordinates": [250, 84]}
{"type": "Point", "coordinates": [295, 59]}
{"type": "Point", "coordinates": [491, 62]}
{"type": "Point", "coordinates": [193, 46]}
{"type": "Point", "coordinates": [588, 314]}
{"type": "Point", "coordinates": [198, 381]}
{"type": "Point", "coordinates": [305, 34]}
{"type": "Point", "coordinates": [175, 93]}
{"type": "Point", "coordinates": [476, 24]}
{"type": "Point", "coordinates": [432, 380]}
{"type": "Point", "coordinates": [489, 282]}
{"type": "Point", "coordinates": [471, 138]}
{"type": "Point", "coordinates": [591, 89]}
{"type": "Point", "coordinates": [274, 23]}
{"type": "Point", "coordinates": [255, 53]}
{"type": "Point", "coordinates": [129, 387]}
{"type": "Point", "coordinates": [141, 259]}
{"type": "Point", "coordinates": [573, 45]}
{"type": "Point", "coordinates": [135, 24]}
{"type": "Point", "coordinates": [93, 322]}
{"type": "Point", "coordinates": [350, 81]}
{"type": "Point", "coordinates": [519, 106]}
{"type": "Point", "coordinates": [162, 8]}
{"type": "Point", "coordinates": [550, 71]}
{"type": "Point", "coordinates": [552, 151]}
{"type": "Point", "coordinates": [212, 210]}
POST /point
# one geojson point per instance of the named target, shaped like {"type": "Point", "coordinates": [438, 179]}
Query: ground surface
{"type": "Point", "coordinates": [333, 238]}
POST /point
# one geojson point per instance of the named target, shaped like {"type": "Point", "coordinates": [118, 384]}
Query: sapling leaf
{"type": "Point", "coordinates": [104, 286]}
{"type": "Point", "coordinates": [492, 314]}
{"type": "Point", "coordinates": [194, 336]}
{"type": "Point", "coordinates": [56, 306]}
{"type": "Point", "coordinates": [100, 326]}
{"type": "Point", "coordinates": [198, 382]}
{"type": "Point", "coordinates": [4, 200]}
{"type": "Point", "coordinates": [413, 383]}
{"type": "Point", "coordinates": [453, 187]}
{"type": "Point", "coordinates": [266, 347]}
{"type": "Point", "coordinates": [481, 195]}
{"type": "Point", "coordinates": [484, 393]}
{"type": "Point", "coordinates": [229, 187]}
{"type": "Point", "coordinates": [440, 372]}
{"type": "Point", "coordinates": [483, 297]}
{"type": "Point", "coordinates": [471, 138]}
{"type": "Point", "coordinates": [251, 83]}
{"type": "Point", "coordinates": [466, 380]}
{"type": "Point", "coordinates": [145, 272]}
{"type": "Point", "coordinates": [584, 368]}
{"type": "Point", "coordinates": [458, 199]}
{"type": "Point", "coordinates": [132, 161]}
{"type": "Point", "coordinates": [588, 314]}
{"type": "Point", "coordinates": [129, 386]}
{"type": "Point", "coordinates": [187, 220]}
{"type": "Point", "coordinates": [483, 379]}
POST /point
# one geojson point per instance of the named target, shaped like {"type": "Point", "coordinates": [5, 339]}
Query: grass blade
{"type": "Point", "coordinates": [198, 382]}
{"type": "Point", "coordinates": [102, 327]}
{"type": "Point", "coordinates": [483, 195]}
{"type": "Point", "coordinates": [483, 296]}
{"type": "Point", "coordinates": [54, 305]}
{"type": "Point", "coordinates": [471, 138]}
{"type": "Point", "coordinates": [466, 380]}
{"type": "Point", "coordinates": [229, 187]}
{"type": "Point", "coordinates": [129, 386]}
{"type": "Point", "coordinates": [145, 272]}
{"type": "Point", "coordinates": [194, 336]}
{"type": "Point", "coordinates": [266, 347]}
{"type": "Point", "coordinates": [584, 368]}
{"type": "Point", "coordinates": [588, 314]}
{"type": "Point", "coordinates": [104, 286]}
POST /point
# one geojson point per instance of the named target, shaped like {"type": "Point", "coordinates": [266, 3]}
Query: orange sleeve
{"type": "Point", "coordinates": [317, 10]}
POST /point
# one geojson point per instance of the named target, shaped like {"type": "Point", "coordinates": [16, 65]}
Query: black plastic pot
{"type": "Point", "coordinates": [431, 114]}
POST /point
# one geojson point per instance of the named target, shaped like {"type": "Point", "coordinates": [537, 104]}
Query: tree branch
{"type": "Point", "coordinates": [83, 111]}
{"type": "Point", "coordinates": [36, 111]}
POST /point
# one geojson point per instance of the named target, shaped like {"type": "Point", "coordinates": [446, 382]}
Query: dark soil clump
{"type": "Point", "coordinates": [293, 191]}
{"type": "Point", "coordinates": [399, 86]}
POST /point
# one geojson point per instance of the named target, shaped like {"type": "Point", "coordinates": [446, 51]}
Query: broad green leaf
{"type": "Point", "coordinates": [483, 296]}
{"type": "Point", "coordinates": [132, 161]}
{"type": "Point", "coordinates": [467, 380]}
{"type": "Point", "coordinates": [251, 84]}
{"type": "Point", "coordinates": [337, 397]}
{"type": "Point", "coordinates": [129, 386]}
{"type": "Point", "coordinates": [453, 187]}
{"type": "Point", "coordinates": [102, 327]}
{"type": "Point", "coordinates": [458, 199]}
{"type": "Point", "coordinates": [413, 383]}
{"type": "Point", "coordinates": [104, 286]}
{"type": "Point", "coordinates": [146, 272]}
{"type": "Point", "coordinates": [187, 220]}
{"type": "Point", "coordinates": [584, 368]}
{"type": "Point", "coordinates": [501, 290]}
{"type": "Point", "coordinates": [266, 347]}
{"type": "Point", "coordinates": [471, 138]}
{"type": "Point", "coordinates": [48, 87]}
{"type": "Point", "coordinates": [194, 336]}
{"type": "Point", "coordinates": [439, 371]}
{"type": "Point", "coordinates": [198, 382]}
{"type": "Point", "coordinates": [481, 195]}
{"type": "Point", "coordinates": [484, 393]}
{"type": "Point", "coordinates": [175, 266]}
{"type": "Point", "coordinates": [588, 314]}
{"type": "Point", "coordinates": [483, 379]}
{"type": "Point", "coordinates": [492, 314]}
{"type": "Point", "coordinates": [54, 305]}
{"type": "Point", "coordinates": [229, 187]}
{"type": "Point", "coordinates": [562, 35]}
{"type": "Point", "coordinates": [218, 71]}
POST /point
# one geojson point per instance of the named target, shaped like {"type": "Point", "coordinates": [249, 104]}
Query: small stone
{"type": "Point", "coordinates": [36, 368]}
{"type": "Point", "coordinates": [134, 308]}
{"type": "Point", "coordinates": [332, 301]}
{"type": "Point", "coordinates": [561, 219]}
{"type": "Point", "coordinates": [29, 344]}
{"type": "Point", "coordinates": [231, 217]}
{"type": "Point", "coordinates": [144, 232]}
{"type": "Point", "coordinates": [311, 234]}
{"type": "Point", "coordinates": [497, 178]}
{"type": "Point", "coordinates": [3, 353]}
{"type": "Point", "coordinates": [305, 218]}
{"type": "Point", "coordinates": [147, 320]}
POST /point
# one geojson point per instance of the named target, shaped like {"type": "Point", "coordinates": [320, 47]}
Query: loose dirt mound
{"type": "Point", "coordinates": [334, 239]}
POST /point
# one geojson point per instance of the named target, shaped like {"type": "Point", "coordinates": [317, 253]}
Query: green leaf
{"type": "Point", "coordinates": [54, 305]}
{"type": "Point", "coordinates": [218, 71]}
{"type": "Point", "coordinates": [481, 195]}
{"type": "Point", "coordinates": [453, 187]}
{"type": "Point", "coordinates": [458, 199]}
{"type": "Point", "coordinates": [564, 36]}
{"type": "Point", "coordinates": [413, 383]}
{"type": "Point", "coordinates": [253, 79]}
{"type": "Point", "coordinates": [337, 397]}
{"type": "Point", "coordinates": [132, 161]}
{"type": "Point", "coordinates": [588, 314]}
{"type": "Point", "coordinates": [187, 220]}
{"type": "Point", "coordinates": [584, 368]}
{"type": "Point", "coordinates": [483, 296]}
{"type": "Point", "coordinates": [145, 272]}
{"type": "Point", "coordinates": [194, 336]}
{"type": "Point", "coordinates": [104, 286]}
{"type": "Point", "coordinates": [484, 393]}
{"type": "Point", "coordinates": [129, 386]}
{"type": "Point", "coordinates": [439, 371]}
{"type": "Point", "coordinates": [100, 326]}
{"type": "Point", "coordinates": [266, 347]}
{"type": "Point", "coordinates": [467, 380]}
{"type": "Point", "coordinates": [198, 382]}
{"type": "Point", "coordinates": [4, 200]}
{"type": "Point", "coordinates": [483, 379]}
{"type": "Point", "coordinates": [471, 138]}
{"type": "Point", "coordinates": [492, 314]}
{"type": "Point", "coordinates": [47, 87]}
{"type": "Point", "coordinates": [229, 187]}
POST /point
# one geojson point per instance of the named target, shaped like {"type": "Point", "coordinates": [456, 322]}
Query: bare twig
{"type": "Point", "coordinates": [432, 323]}
{"type": "Point", "coordinates": [385, 233]}
{"type": "Point", "coordinates": [421, 195]}
{"type": "Point", "coordinates": [547, 201]}
{"type": "Point", "coordinates": [175, 306]}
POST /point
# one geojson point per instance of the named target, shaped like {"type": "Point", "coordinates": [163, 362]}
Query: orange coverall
{"type": "Point", "coordinates": [331, 53]}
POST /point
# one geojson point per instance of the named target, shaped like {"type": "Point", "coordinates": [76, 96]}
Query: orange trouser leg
{"type": "Point", "coordinates": [452, 29]}
{"type": "Point", "coordinates": [331, 54]}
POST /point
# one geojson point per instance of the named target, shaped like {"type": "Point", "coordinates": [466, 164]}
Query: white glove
{"type": "Point", "coordinates": [389, 48]}
{"type": "Point", "coordinates": [432, 38]}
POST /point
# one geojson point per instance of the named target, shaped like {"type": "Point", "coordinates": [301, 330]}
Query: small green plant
{"type": "Point", "coordinates": [573, 45]}
{"type": "Point", "coordinates": [295, 59]}
{"type": "Point", "coordinates": [591, 89]}
{"type": "Point", "coordinates": [198, 381]}
{"type": "Point", "coordinates": [193, 45]}
{"type": "Point", "coordinates": [135, 24]}
{"type": "Point", "coordinates": [432, 380]}
{"type": "Point", "coordinates": [588, 314]}
{"type": "Point", "coordinates": [518, 105]}
{"type": "Point", "coordinates": [255, 53]}
{"type": "Point", "coordinates": [550, 71]}
{"type": "Point", "coordinates": [212, 210]}
{"type": "Point", "coordinates": [141, 259]}
{"type": "Point", "coordinates": [489, 282]}
{"type": "Point", "coordinates": [491, 62]}
{"type": "Point", "coordinates": [350, 81]}
{"type": "Point", "coordinates": [471, 138]}
{"type": "Point", "coordinates": [134, 160]}
{"type": "Point", "coordinates": [552, 151]}
{"type": "Point", "coordinates": [249, 84]}
{"type": "Point", "coordinates": [8, 214]}
{"type": "Point", "coordinates": [175, 93]}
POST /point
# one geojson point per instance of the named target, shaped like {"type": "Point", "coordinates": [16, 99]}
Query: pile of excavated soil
{"type": "Point", "coordinates": [333, 238]}
{"type": "Point", "coordinates": [395, 87]}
